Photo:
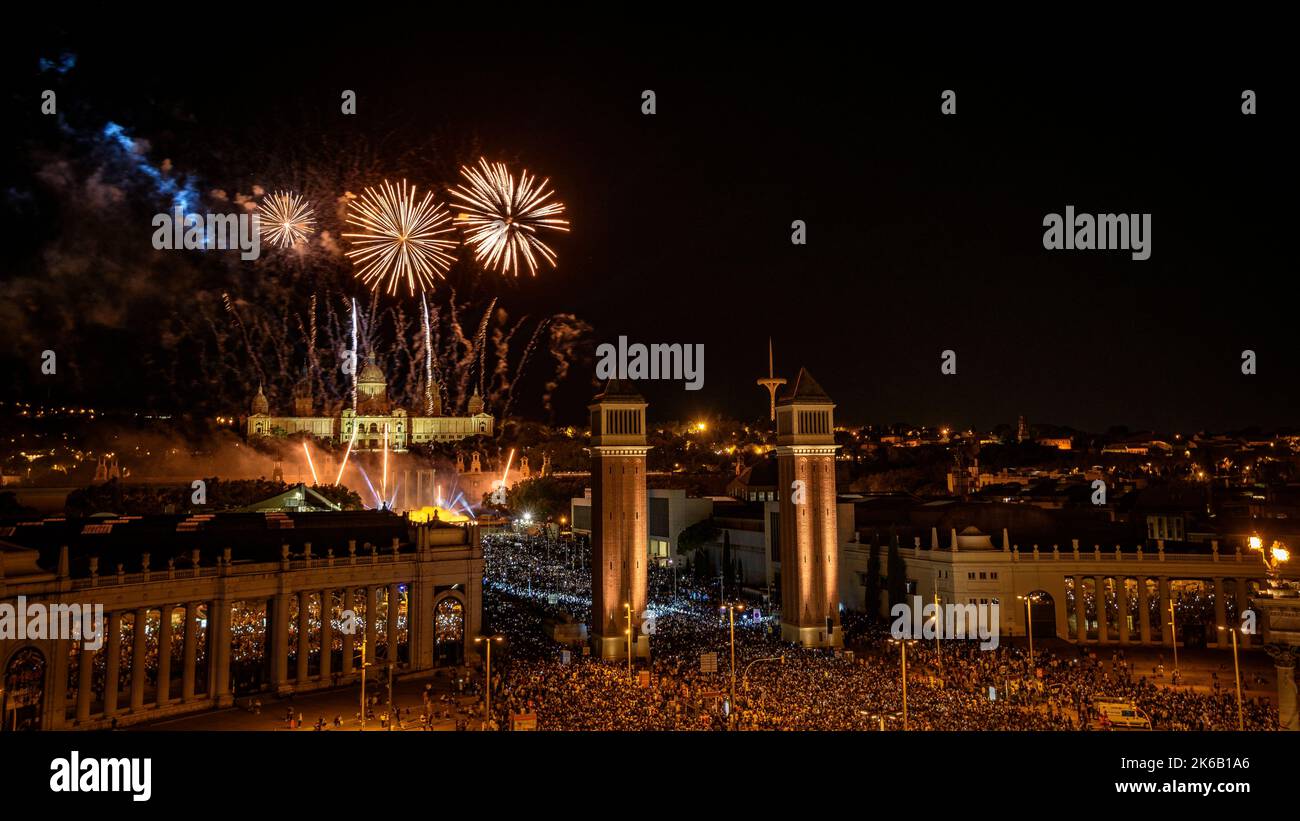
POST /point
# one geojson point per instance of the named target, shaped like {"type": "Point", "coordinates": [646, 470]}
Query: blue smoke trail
{"type": "Point", "coordinates": [182, 196]}
{"type": "Point", "coordinates": [66, 62]}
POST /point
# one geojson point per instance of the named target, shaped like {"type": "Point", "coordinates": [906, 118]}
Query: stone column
{"type": "Point", "coordinates": [137, 661]}
{"type": "Point", "coordinates": [219, 629]}
{"type": "Point", "coordinates": [346, 662]}
{"type": "Point", "coordinates": [1166, 629]}
{"type": "Point", "coordinates": [1144, 611]}
{"type": "Point", "coordinates": [1284, 658]}
{"type": "Point", "coordinates": [372, 611]}
{"type": "Point", "coordinates": [85, 669]}
{"type": "Point", "coordinates": [164, 654]}
{"type": "Point", "coordinates": [304, 647]}
{"type": "Point", "coordinates": [419, 624]}
{"type": "Point", "coordinates": [279, 641]}
{"type": "Point", "coordinates": [190, 661]}
{"type": "Point", "coordinates": [1121, 596]}
{"type": "Point", "coordinates": [1221, 637]}
{"type": "Point", "coordinates": [1103, 631]}
{"type": "Point", "coordinates": [394, 597]}
{"type": "Point", "coordinates": [326, 633]}
{"type": "Point", "coordinates": [1062, 612]}
{"type": "Point", "coordinates": [1080, 612]}
{"type": "Point", "coordinates": [113, 662]}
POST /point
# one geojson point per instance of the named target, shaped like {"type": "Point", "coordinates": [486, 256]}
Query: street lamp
{"type": "Point", "coordinates": [745, 673]}
{"type": "Point", "coordinates": [731, 614]}
{"type": "Point", "coordinates": [628, 607]}
{"type": "Point", "coordinates": [1236, 671]}
{"type": "Point", "coordinates": [1173, 634]}
{"type": "Point", "coordinates": [488, 676]}
{"type": "Point", "coordinates": [1029, 623]}
{"type": "Point", "coordinates": [937, 653]}
{"type": "Point", "coordinates": [364, 665]}
{"type": "Point", "coordinates": [902, 645]}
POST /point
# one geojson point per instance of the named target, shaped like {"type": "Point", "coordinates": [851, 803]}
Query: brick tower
{"type": "Point", "coordinates": [619, 534]}
{"type": "Point", "coordinates": [805, 455]}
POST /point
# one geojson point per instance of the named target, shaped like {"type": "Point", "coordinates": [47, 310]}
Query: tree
{"type": "Point", "coordinates": [691, 541]}
{"type": "Point", "coordinates": [897, 581]}
{"type": "Point", "coordinates": [873, 579]}
{"type": "Point", "coordinates": [545, 497]}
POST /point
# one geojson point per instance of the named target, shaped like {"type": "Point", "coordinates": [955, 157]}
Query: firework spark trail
{"type": "Point", "coordinates": [246, 342]}
{"type": "Point", "coordinates": [312, 362]}
{"type": "Point", "coordinates": [400, 239]}
{"type": "Point", "coordinates": [464, 363]}
{"type": "Point", "coordinates": [523, 363]}
{"type": "Point", "coordinates": [480, 343]}
{"type": "Point", "coordinates": [248, 345]}
{"type": "Point", "coordinates": [428, 359]}
{"type": "Point", "coordinates": [354, 358]}
{"type": "Point", "coordinates": [287, 219]}
{"type": "Point", "coordinates": [501, 217]}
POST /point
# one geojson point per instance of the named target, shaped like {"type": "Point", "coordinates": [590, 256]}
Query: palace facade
{"type": "Point", "coordinates": [374, 418]}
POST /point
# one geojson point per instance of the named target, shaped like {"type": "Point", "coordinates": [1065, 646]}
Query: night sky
{"type": "Point", "coordinates": [924, 231]}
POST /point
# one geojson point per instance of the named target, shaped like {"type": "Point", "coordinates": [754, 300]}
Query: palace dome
{"type": "Point", "coordinates": [371, 374]}
{"type": "Point", "coordinates": [260, 405]}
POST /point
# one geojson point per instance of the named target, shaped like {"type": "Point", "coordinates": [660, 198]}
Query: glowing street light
{"type": "Point", "coordinates": [488, 675]}
{"type": "Point", "coordinates": [902, 647]}
{"type": "Point", "coordinates": [1029, 622]}
{"type": "Point", "coordinates": [1273, 559]}
{"type": "Point", "coordinates": [1236, 671]}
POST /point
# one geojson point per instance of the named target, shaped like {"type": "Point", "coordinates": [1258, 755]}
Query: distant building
{"type": "Point", "coordinates": [374, 418]}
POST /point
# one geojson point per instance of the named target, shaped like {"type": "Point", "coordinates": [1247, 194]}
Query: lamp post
{"type": "Point", "coordinates": [937, 653]}
{"type": "Point", "coordinates": [902, 645]}
{"type": "Point", "coordinates": [1029, 624]}
{"type": "Point", "coordinates": [1173, 633]}
{"type": "Point", "coordinates": [628, 607]}
{"type": "Point", "coordinates": [1236, 672]}
{"type": "Point", "coordinates": [488, 675]}
{"type": "Point", "coordinates": [731, 614]}
{"type": "Point", "coordinates": [364, 665]}
{"type": "Point", "coordinates": [744, 675]}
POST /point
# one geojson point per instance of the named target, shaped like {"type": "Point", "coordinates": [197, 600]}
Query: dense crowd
{"type": "Point", "coordinates": [783, 687]}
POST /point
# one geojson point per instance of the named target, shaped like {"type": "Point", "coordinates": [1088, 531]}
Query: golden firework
{"type": "Point", "coordinates": [501, 217]}
{"type": "Point", "coordinates": [400, 239]}
{"type": "Point", "coordinates": [286, 219]}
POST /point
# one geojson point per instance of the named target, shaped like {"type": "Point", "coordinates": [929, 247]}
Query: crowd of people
{"type": "Point", "coordinates": [779, 686]}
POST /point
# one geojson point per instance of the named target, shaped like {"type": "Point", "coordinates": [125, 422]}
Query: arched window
{"type": "Point", "coordinates": [449, 629]}
{"type": "Point", "coordinates": [23, 700]}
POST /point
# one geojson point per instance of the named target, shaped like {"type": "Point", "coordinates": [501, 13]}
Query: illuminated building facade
{"type": "Point", "coordinates": [619, 520]}
{"type": "Point", "coordinates": [374, 418]}
{"type": "Point", "coordinates": [200, 609]}
{"type": "Point", "coordinates": [809, 539]}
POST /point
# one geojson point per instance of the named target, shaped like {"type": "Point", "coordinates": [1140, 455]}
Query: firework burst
{"type": "Point", "coordinates": [502, 217]}
{"type": "Point", "coordinates": [286, 219]}
{"type": "Point", "coordinates": [400, 239]}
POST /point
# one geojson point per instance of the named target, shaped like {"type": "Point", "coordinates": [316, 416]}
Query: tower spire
{"type": "Point", "coordinates": [771, 382]}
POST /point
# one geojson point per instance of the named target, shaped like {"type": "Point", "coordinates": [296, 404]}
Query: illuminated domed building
{"type": "Point", "coordinates": [374, 418]}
